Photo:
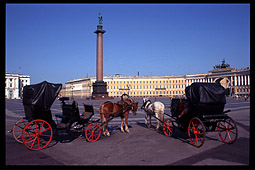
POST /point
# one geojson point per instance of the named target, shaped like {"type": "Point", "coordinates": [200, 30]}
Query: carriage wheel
{"type": "Point", "coordinates": [227, 130]}
{"type": "Point", "coordinates": [196, 131]}
{"type": "Point", "coordinates": [168, 127]}
{"type": "Point", "coordinates": [37, 134]}
{"type": "Point", "coordinates": [18, 129]}
{"type": "Point", "coordinates": [93, 132]}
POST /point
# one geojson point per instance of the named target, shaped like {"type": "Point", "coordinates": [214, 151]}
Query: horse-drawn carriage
{"type": "Point", "coordinates": [36, 129]}
{"type": "Point", "coordinates": [202, 111]}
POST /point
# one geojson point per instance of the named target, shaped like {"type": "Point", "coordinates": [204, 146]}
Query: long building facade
{"type": "Point", "coordinates": [236, 82]}
{"type": "Point", "coordinates": [136, 86]}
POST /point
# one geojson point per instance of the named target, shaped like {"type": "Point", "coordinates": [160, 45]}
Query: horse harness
{"type": "Point", "coordinates": [146, 105]}
{"type": "Point", "coordinates": [123, 110]}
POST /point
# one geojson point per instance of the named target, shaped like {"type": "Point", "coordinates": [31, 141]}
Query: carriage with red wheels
{"type": "Point", "coordinates": [201, 112]}
{"type": "Point", "coordinates": [36, 129]}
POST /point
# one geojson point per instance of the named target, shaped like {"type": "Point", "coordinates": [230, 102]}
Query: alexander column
{"type": "Point", "coordinates": [99, 87]}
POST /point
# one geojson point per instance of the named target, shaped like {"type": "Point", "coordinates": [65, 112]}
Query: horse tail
{"type": "Point", "coordinates": [101, 113]}
{"type": "Point", "coordinates": [162, 111]}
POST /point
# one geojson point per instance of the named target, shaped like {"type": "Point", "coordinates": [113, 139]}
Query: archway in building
{"type": "Point", "coordinates": [10, 94]}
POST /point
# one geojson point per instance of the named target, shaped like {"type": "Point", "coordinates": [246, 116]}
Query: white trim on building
{"type": "Point", "coordinates": [14, 84]}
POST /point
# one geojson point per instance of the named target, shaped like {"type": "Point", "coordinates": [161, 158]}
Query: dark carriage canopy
{"type": "Point", "coordinates": [41, 95]}
{"type": "Point", "coordinates": [207, 93]}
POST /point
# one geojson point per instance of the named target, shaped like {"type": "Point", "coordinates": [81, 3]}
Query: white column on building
{"type": "Point", "coordinates": [245, 80]}
{"type": "Point", "coordinates": [248, 78]}
{"type": "Point", "coordinates": [231, 81]}
{"type": "Point", "coordinates": [238, 84]}
{"type": "Point", "coordinates": [241, 80]}
{"type": "Point", "coordinates": [235, 81]}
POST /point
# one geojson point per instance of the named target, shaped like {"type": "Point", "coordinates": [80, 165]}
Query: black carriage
{"type": "Point", "coordinates": [36, 129]}
{"type": "Point", "coordinates": [202, 111]}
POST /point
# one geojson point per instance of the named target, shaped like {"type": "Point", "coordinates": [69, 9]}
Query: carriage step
{"type": "Point", "coordinates": [221, 116]}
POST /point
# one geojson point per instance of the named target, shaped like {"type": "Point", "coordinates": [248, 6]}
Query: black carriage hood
{"type": "Point", "coordinates": [205, 93]}
{"type": "Point", "coordinates": [41, 95]}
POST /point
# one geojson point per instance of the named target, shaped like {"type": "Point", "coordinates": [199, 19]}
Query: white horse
{"type": "Point", "coordinates": [150, 108]}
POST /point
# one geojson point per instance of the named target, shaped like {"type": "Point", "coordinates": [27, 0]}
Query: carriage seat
{"type": "Point", "coordinates": [177, 106]}
{"type": "Point", "coordinates": [70, 113]}
{"type": "Point", "coordinates": [67, 110]}
{"type": "Point", "coordinates": [62, 125]}
{"type": "Point", "coordinates": [88, 111]}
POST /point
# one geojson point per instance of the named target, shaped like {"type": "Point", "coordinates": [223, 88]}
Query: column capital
{"type": "Point", "coordinates": [99, 29]}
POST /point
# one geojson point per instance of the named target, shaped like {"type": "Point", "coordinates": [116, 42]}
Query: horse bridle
{"type": "Point", "coordinates": [128, 105]}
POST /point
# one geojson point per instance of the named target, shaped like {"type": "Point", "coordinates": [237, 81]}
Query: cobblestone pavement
{"type": "Point", "coordinates": [142, 146]}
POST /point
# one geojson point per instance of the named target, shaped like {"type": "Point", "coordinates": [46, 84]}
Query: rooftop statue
{"type": "Point", "coordinates": [223, 65]}
{"type": "Point", "coordinates": [100, 19]}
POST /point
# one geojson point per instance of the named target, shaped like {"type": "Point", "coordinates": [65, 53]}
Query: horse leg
{"type": "Point", "coordinates": [162, 117]}
{"type": "Point", "coordinates": [146, 116]}
{"type": "Point", "coordinates": [157, 116]}
{"type": "Point", "coordinates": [126, 123]}
{"type": "Point", "coordinates": [150, 122]}
{"type": "Point", "coordinates": [102, 121]}
{"type": "Point", "coordinates": [106, 127]}
{"type": "Point", "coordinates": [121, 126]}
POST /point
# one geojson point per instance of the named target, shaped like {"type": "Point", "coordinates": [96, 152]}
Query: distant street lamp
{"type": "Point", "coordinates": [72, 86]}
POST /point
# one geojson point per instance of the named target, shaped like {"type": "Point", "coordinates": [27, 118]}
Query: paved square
{"type": "Point", "coordinates": [142, 146]}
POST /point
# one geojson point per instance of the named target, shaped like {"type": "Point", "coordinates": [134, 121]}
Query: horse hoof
{"type": "Point", "coordinates": [108, 134]}
{"type": "Point", "coordinates": [127, 131]}
{"type": "Point", "coordinates": [122, 130]}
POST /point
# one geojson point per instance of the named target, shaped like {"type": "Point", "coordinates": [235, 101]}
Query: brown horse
{"type": "Point", "coordinates": [121, 108]}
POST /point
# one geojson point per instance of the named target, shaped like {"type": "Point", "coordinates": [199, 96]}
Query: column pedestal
{"type": "Point", "coordinates": [99, 90]}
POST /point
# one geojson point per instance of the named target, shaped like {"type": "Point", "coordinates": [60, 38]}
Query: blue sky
{"type": "Point", "coordinates": [56, 42]}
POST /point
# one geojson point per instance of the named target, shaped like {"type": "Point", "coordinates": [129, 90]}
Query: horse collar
{"type": "Point", "coordinates": [146, 103]}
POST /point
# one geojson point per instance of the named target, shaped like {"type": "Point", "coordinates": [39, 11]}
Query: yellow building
{"type": "Point", "coordinates": [145, 86]}
{"type": "Point", "coordinates": [135, 86]}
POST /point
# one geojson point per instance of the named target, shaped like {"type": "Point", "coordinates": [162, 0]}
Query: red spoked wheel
{"type": "Point", "coordinates": [37, 134]}
{"type": "Point", "coordinates": [227, 130]}
{"type": "Point", "coordinates": [18, 129]}
{"type": "Point", "coordinates": [93, 132]}
{"type": "Point", "coordinates": [196, 132]}
{"type": "Point", "coordinates": [168, 127]}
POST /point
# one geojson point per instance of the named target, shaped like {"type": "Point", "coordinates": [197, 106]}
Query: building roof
{"type": "Point", "coordinates": [16, 75]}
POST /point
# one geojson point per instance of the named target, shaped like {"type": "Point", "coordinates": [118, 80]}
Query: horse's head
{"type": "Point", "coordinates": [133, 104]}
{"type": "Point", "coordinates": [134, 107]}
{"type": "Point", "coordinates": [145, 99]}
